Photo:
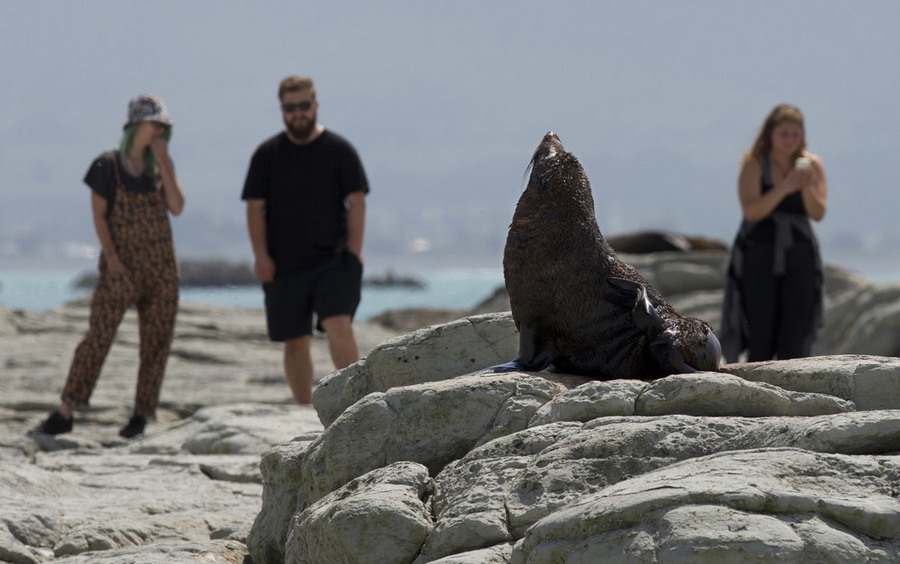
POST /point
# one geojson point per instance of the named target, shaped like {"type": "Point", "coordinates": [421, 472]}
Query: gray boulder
{"type": "Point", "coordinates": [378, 517]}
{"type": "Point", "coordinates": [768, 505]}
{"type": "Point", "coordinates": [426, 355]}
{"type": "Point", "coordinates": [187, 492]}
{"type": "Point", "coordinates": [281, 499]}
{"type": "Point", "coordinates": [527, 467]}
{"type": "Point", "coordinates": [870, 382]}
{"type": "Point", "coordinates": [432, 424]}
{"type": "Point", "coordinates": [165, 552]}
{"type": "Point", "coordinates": [509, 484]}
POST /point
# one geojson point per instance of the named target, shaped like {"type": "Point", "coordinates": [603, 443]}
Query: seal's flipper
{"type": "Point", "coordinates": [518, 365]}
{"type": "Point", "coordinates": [531, 357]}
{"type": "Point", "coordinates": [670, 360]}
{"type": "Point", "coordinates": [512, 366]}
{"type": "Point", "coordinates": [703, 358]}
{"type": "Point", "coordinates": [712, 354]}
{"type": "Point", "coordinates": [634, 295]}
{"type": "Point", "coordinates": [664, 348]}
{"type": "Point", "coordinates": [625, 292]}
{"type": "Point", "coordinates": [680, 358]}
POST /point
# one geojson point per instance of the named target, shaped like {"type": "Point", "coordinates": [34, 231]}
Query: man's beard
{"type": "Point", "coordinates": [302, 133]}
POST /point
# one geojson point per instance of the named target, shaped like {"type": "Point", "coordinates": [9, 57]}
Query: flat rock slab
{"type": "Point", "coordinates": [181, 486]}
{"type": "Point", "coordinates": [186, 491]}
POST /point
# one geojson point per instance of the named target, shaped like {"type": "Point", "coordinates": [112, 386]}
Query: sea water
{"type": "Point", "coordinates": [43, 289]}
{"type": "Point", "coordinates": [456, 287]}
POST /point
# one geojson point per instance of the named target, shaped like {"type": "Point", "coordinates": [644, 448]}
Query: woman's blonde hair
{"type": "Point", "coordinates": [782, 113]}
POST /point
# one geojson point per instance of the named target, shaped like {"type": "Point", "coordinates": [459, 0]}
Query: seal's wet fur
{"type": "Point", "coordinates": [576, 305]}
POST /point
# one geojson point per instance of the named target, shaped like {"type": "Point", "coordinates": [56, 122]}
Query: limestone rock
{"type": "Point", "coordinates": [863, 321]}
{"type": "Point", "coordinates": [168, 552]}
{"type": "Point", "coordinates": [231, 429]}
{"type": "Point", "coordinates": [499, 554]}
{"type": "Point", "coordinates": [280, 501]}
{"type": "Point", "coordinates": [780, 505]}
{"type": "Point", "coordinates": [591, 400]}
{"type": "Point", "coordinates": [431, 424]}
{"type": "Point", "coordinates": [427, 355]}
{"type": "Point", "coordinates": [378, 517]}
{"type": "Point", "coordinates": [186, 491]}
{"type": "Point", "coordinates": [867, 381]}
{"type": "Point", "coordinates": [724, 394]}
{"type": "Point", "coordinates": [526, 460]}
{"type": "Point", "coordinates": [73, 504]}
{"type": "Point", "coordinates": [170, 493]}
{"type": "Point", "coordinates": [510, 483]}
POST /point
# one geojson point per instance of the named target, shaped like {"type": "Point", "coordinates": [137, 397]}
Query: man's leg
{"type": "Point", "coordinates": [289, 320]}
{"type": "Point", "coordinates": [298, 368]}
{"type": "Point", "coordinates": [341, 340]}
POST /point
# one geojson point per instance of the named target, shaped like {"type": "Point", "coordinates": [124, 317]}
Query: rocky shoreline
{"type": "Point", "coordinates": [189, 489]}
{"type": "Point", "coordinates": [221, 474]}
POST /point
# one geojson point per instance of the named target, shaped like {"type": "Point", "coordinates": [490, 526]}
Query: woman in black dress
{"type": "Point", "coordinates": [774, 296]}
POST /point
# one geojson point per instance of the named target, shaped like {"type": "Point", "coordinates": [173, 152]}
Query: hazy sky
{"type": "Point", "coordinates": [445, 102]}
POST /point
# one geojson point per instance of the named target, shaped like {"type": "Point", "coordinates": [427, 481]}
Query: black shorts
{"type": "Point", "coordinates": [328, 289]}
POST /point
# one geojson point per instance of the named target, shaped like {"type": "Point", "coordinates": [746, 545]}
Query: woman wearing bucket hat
{"type": "Point", "coordinates": [133, 189]}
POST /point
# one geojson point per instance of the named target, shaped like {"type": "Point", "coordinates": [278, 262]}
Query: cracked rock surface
{"type": "Point", "coordinates": [187, 490]}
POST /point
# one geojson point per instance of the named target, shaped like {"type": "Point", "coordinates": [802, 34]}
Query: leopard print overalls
{"type": "Point", "coordinates": [140, 230]}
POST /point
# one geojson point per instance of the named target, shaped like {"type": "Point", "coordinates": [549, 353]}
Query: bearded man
{"type": "Point", "coordinates": [305, 193]}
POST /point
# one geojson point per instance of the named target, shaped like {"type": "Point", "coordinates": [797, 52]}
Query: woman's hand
{"type": "Point", "coordinates": [815, 190]}
{"type": "Point", "coordinates": [173, 192]}
{"type": "Point", "coordinates": [115, 266]}
{"type": "Point", "coordinates": [160, 148]}
{"type": "Point", "coordinates": [796, 180]}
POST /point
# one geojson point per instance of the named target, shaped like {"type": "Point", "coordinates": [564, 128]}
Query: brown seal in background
{"type": "Point", "coordinates": [645, 242]}
{"type": "Point", "coordinates": [576, 305]}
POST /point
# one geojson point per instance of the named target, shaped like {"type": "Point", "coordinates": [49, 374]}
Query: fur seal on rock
{"type": "Point", "coordinates": [576, 305]}
{"type": "Point", "coordinates": [645, 242]}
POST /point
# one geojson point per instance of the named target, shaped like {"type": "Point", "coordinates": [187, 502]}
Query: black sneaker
{"type": "Point", "coordinates": [135, 427]}
{"type": "Point", "coordinates": [56, 424]}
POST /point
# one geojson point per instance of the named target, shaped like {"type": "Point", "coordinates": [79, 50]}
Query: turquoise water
{"type": "Point", "coordinates": [459, 287]}
{"type": "Point", "coordinates": [451, 288]}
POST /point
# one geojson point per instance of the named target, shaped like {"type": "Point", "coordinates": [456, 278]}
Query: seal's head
{"type": "Point", "coordinates": [557, 171]}
{"type": "Point", "coordinates": [549, 147]}
{"type": "Point", "coordinates": [557, 203]}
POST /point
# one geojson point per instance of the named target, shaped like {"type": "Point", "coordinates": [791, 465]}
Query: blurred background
{"type": "Point", "coordinates": [445, 102]}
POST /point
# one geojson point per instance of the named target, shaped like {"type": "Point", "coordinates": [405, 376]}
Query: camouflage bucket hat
{"type": "Point", "coordinates": [147, 108]}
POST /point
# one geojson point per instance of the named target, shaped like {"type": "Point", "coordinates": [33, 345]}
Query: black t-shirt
{"type": "Point", "coordinates": [304, 187]}
{"type": "Point", "coordinates": [101, 178]}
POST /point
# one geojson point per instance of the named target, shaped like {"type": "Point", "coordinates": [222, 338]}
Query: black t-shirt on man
{"type": "Point", "coordinates": [304, 187]}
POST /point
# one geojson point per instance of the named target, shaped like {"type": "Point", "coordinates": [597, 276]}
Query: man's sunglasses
{"type": "Point", "coordinates": [302, 106]}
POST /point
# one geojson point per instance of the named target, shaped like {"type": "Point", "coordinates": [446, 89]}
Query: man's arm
{"type": "Point", "coordinates": [356, 222]}
{"type": "Point", "coordinates": [264, 266]}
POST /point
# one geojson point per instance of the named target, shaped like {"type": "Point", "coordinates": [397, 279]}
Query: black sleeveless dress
{"type": "Point", "coordinates": [774, 298]}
